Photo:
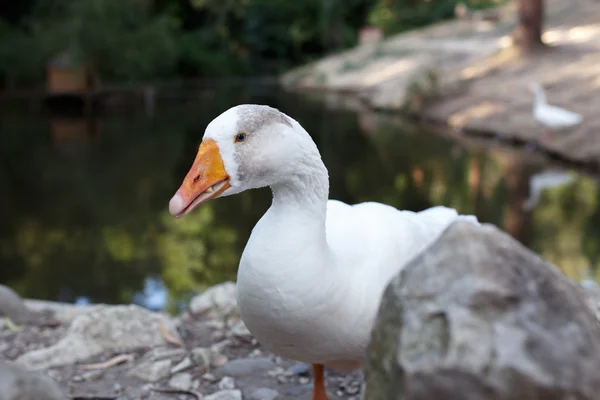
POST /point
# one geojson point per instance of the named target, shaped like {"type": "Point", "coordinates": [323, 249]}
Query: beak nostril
{"type": "Point", "coordinates": [197, 178]}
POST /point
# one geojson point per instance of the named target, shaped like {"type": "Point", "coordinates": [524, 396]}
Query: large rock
{"type": "Point", "coordinates": [13, 307]}
{"type": "Point", "coordinates": [217, 302]}
{"type": "Point", "coordinates": [478, 316]}
{"type": "Point", "coordinates": [17, 383]}
{"type": "Point", "coordinates": [100, 329]}
{"type": "Point", "coordinates": [63, 312]}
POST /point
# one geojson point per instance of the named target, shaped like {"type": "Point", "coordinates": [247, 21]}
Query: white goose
{"type": "Point", "coordinates": [553, 117]}
{"type": "Point", "coordinates": [313, 271]}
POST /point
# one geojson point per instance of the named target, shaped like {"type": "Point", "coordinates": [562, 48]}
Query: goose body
{"type": "Point", "coordinates": [313, 271]}
{"type": "Point", "coordinates": [313, 298]}
{"type": "Point", "coordinates": [553, 117]}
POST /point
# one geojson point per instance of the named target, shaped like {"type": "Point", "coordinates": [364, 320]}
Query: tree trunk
{"type": "Point", "coordinates": [528, 34]}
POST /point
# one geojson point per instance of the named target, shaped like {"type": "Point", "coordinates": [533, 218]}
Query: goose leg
{"type": "Point", "coordinates": [319, 392]}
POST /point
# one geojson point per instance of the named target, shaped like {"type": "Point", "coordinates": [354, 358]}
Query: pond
{"type": "Point", "coordinates": [84, 201]}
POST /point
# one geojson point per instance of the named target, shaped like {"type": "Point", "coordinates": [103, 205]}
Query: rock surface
{"type": "Point", "coordinates": [478, 316]}
{"type": "Point", "coordinates": [217, 302]}
{"type": "Point", "coordinates": [102, 328]}
{"type": "Point", "coordinates": [225, 395]}
{"type": "Point", "coordinates": [216, 358]}
{"type": "Point", "coordinates": [17, 383]}
{"type": "Point", "coordinates": [13, 307]}
{"type": "Point", "coordinates": [219, 358]}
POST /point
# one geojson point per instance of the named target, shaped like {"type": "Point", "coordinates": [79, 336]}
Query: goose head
{"type": "Point", "coordinates": [246, 147]}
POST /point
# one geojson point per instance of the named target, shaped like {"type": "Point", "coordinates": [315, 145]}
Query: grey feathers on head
{"type": "Point", "coordinates": [253, 117]}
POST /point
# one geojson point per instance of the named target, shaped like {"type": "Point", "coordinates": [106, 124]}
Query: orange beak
{"type": "Point", "coordinates": [206, 180]}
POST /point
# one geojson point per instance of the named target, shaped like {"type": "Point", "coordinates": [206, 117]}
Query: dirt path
{"type": "Point", "coordinates": [480, 87]}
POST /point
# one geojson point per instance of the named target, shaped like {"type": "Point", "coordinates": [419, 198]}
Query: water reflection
{"type": "Point", "coordinates": [154, 296]}
{"type": "Point", "coordinates": [84, 204]}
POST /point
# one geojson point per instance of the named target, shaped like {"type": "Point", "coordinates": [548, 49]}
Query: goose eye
{"type": "Point", "coordinates": [241, 137]}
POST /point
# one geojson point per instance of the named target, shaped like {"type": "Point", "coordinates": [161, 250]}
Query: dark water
{"type": "Point", "coordinates": [84, 200]}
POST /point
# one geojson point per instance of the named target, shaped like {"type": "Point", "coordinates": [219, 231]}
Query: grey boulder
{"type": "Point", "coordinates": [100, 329]}
{"type": "Point", "coordinates": [17, 383]}
{"type": "Point", "coordinates": [477, 316]}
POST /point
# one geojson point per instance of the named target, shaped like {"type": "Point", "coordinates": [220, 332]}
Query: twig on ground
{"type": "Point", "coordinates": [194, 393]}
{"type": "Point", "coordinates": [109, 363]}
{"type": "Point", "coordinates": [168, 336]}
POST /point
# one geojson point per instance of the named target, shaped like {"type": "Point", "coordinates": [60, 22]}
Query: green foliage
{"type": "Point", "coordinates": [394, 16]}
{"type": "Point", "coordinates": [119, 39]}
{"type": "Point", "coordinates": [124, 40]}
{"type": "Point", "coordinates": [275, 34]}
{"type": "Point", "coordinates": [20, 56]}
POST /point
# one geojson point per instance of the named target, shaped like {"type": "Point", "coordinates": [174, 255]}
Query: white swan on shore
{"type": "Point", "coordinates": [313, 271]}
{"type": "Point", "coordinates": [553, 117]}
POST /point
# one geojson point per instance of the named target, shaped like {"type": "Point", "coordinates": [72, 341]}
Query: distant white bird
{"type": "Point", "coordinates": [553, 117]}
{"type": "Point", "coordinates": [544, 180]}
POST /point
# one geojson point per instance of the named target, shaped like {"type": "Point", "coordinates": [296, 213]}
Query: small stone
{"type": "Point", "coordinates": [209, 377]}
{"type": "Point", "coordinates": [264, 394]}
{"type": "Point", "coordinates": [53, 373]}
{"type": "Point", "coordinates": [217, 302]}
{"type": "Point", "coordinates": [201, 356]}
{"type": "Point", "coordinates": [195, 384]}
{"type": "Point", "coordinates": [245, 367]}
{"type": "Point", "coordinates": [239, 330]}
{"type": "Point", "coordinates": [181, 381]}
{"type": "Point", "coordinates": [147, 388]}
{"type": "Point", "coordinates": [93, 375]}
{"type": "Point", "coordinates": [160, 353]}
{"type": "Point", "coordinates": [340, 393]}
{"type": "Point", "coordinates": [276, 372]}
{"type": "Point", "coordinates": [231, 394]}
{"type": "Point", "coordinates": [226, 382]}
{"type": "Point", "coordinates": [182, 366]}
{"type": "Point", "coordinates": [353, 389]}
{"type": "Point", "coordinates": [117, 387]}
{"type": "Point", "coordinates": [219, 359]}
{"type": "Point", "coordinates": [218, 347]}
{"type": "Point", "coordinates": [152, 371]}
{"type": "Point", "coordinates": [303, 380]}
{"type": "Point", "coordinates": [215, 324]}
{"type": "Point", "coordinates": [255, 353]}
{"type": "Point", "coordinates": [77, 378]}
{"type": "Point", "coordinates": [300, 369]}
{"type": "Point", "coordinates": [282, 379]}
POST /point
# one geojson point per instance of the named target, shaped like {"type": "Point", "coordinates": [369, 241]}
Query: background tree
{"type": "Point", "coordinates": [528, 34]}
